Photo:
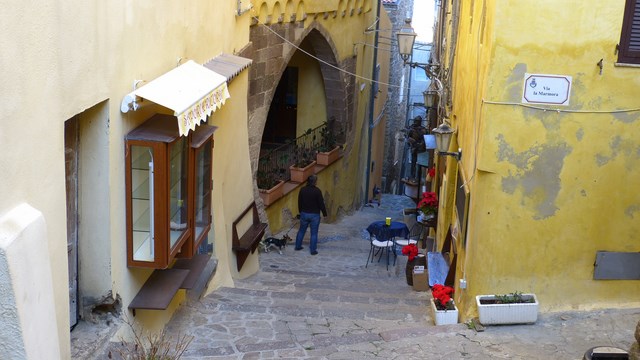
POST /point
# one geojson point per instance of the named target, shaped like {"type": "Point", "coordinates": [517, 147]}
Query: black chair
{"type": "Point", "coordinates": [415, 234]}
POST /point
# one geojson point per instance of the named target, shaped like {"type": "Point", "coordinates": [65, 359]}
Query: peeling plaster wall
{"type": "Point", "coordinates": [548, 188]}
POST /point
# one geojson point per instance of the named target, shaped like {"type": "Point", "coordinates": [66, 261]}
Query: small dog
{"type": "Point", "coordinates": [272, 242]}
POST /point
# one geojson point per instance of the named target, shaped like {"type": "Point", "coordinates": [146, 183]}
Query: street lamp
{"type": "Point", "coordinates": [432, 93]}
{"type": "Point", "coordinates": [406, 39]}
{"type": "Point", "coordinates": [443, 139]}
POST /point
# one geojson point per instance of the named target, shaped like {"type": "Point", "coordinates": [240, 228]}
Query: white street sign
{"type": "Point", "coordinates": [546, 89]}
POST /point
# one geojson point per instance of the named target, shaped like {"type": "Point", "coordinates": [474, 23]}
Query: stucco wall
{"type": "Point", "coordinates": [68, 57]}
{"type": "Point", "coordinates": [28, 322]}
{"type": "Point", "coordinates": [549, 188]}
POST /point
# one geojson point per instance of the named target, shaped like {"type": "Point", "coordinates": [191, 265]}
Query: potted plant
{"type": "Point", "coordinates": [513, 308]}
{"type": "Point", "coordinates": [328, 151]}
{"type": "Point", "coordinates": [304, 164]}
{"type": "Point", "coordinates": [270, 185]}
{"type": "Point", "coordinates": [411, 251]}
{"type": "Point", "coordinates": [428, 206]}
{"type": "Point", "coordinates": [444, 309]}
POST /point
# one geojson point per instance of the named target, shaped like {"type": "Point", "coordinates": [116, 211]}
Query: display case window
{"type": "Point", "coordinates": [168, 186]}
{"type": "Point", "coordinates": [202, 199]}
{"type": "Point", "coordinates": [178, 200]}
{"type": "Point", "coordinates": [142, 202]}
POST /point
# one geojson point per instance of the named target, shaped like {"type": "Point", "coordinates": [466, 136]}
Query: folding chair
{"type": "Point", "coordinates": [380, 246]}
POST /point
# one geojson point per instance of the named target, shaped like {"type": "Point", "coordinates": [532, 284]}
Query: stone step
{"type": "Point", "coordinates": [321, 302]}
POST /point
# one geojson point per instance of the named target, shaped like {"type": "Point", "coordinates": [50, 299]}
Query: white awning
{"type": "Point", "coordinates": [192, 91]}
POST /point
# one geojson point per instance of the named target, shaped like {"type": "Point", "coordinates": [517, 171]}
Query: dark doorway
{"type": "Point", "coordinates": [282, 118]}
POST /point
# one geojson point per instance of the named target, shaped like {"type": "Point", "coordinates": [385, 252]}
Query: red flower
{"type": "Point", "coordinates": [442, 297]}
{"type": "Point", "coordinates": [432, 172]}
{"type": "Point", "coordinates": [429, 203]}
{"type": "Point", "coordinates": [410, 250]}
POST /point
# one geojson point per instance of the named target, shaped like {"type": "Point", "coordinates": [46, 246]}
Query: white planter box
{"type": "Point", "coordinates": [497, 314]}
{"type": "Point", "coordinates": [444, 317]}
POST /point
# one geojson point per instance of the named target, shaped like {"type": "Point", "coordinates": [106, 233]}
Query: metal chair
{"type": "Point", "coordinates": [415, 234]}
{"type": "Point", "coordinates": [380, 246]}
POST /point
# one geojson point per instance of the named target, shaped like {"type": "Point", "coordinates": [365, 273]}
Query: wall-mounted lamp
{"type": "Point", "coordinates": [406, 38]}
{"type": "Point", "coordinates": [432, 93]}
{"type": "Point", "coordinates": [443, 139]}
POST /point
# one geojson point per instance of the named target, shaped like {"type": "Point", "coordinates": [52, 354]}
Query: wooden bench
{"type": "Point", "coordinates": [251, 237]}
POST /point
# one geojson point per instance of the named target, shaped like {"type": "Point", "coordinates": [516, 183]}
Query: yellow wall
{"type": "Point", "coordinates": [81, 59]}
{"type": "Point", "coordinates": [73, 56]}
{"type": "Point", "coordinates": [379, 118]}
{"type": "Point", "coordinates": [548, 188]}
{"type": "Point", "coordinates": [312, 109]}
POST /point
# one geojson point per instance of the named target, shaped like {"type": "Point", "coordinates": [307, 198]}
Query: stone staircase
{"type": "Point", "coordinates": [300, 305]}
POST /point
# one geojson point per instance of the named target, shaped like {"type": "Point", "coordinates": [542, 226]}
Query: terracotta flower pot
{"type": "Point", "coordinates": [270, 196]}
{"type": "Point", "coordinates": [300, 175]}
{"type": "Point", "coordinates": [326, 158]}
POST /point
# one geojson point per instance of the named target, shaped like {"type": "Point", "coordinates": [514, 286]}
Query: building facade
{"type": "Point", "coordinates": [126, 186]}
{"type": "Point", "coordinates": [546, 115]}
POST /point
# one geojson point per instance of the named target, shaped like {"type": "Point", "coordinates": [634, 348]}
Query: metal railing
{"type": "Point", "coordinates": [274, 164]}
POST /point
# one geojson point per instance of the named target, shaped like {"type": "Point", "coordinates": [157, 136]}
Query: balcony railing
{"type": "Point", "coordinates": [274, 164]}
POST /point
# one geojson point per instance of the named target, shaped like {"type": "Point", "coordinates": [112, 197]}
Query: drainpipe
{"type": "Point", "coordinates": [372, 102]}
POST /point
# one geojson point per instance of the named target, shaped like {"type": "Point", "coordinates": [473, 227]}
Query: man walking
{"type": "Point", "coordinates": [310, 204]}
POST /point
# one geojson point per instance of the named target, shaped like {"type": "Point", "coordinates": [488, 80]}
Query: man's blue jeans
{"type": "Point", "coordinates": [307, 219]}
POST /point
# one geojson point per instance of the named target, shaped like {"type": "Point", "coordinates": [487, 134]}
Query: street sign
{"type": "Point", "coordinates": [546, 89]}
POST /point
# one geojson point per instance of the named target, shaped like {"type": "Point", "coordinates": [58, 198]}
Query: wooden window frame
{"type": "Point", "coordinates": [625, 53]}
{"type": "Point", "coordinates": [159, 133]}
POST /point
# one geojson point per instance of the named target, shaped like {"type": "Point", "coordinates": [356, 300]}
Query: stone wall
{"type": "Point", "coordinates": [271, 54]}
{"type": "Point", "coordinates": [396, 109]}
{"type": "Point", "coordinates": [634, 352]}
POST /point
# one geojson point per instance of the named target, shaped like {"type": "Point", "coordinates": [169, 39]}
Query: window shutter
{"type": "Point", "coordinates": [630, 38]}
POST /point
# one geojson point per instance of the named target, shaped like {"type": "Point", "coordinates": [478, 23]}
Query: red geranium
{"type": "Point", "coordinates": [442, 297]}
{"type": "Point", "coordinates": [429, 203]}
{"type": "Point", "coordinates": [410, 250]}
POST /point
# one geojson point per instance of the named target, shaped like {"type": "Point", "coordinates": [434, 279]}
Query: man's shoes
{"type": "Point", "coordinates": [298, 248]}
{"type": "Point", "coordinates": [314, 253]}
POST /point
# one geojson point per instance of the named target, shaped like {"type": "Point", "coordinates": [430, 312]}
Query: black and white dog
{"type": "Point", "coordinates": [272, 242]}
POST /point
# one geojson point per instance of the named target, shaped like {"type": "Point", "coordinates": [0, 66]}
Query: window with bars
{"type": "Point", "coordinates": [629, 50]}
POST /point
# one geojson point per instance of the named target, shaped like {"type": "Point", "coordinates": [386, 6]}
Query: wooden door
{"type": "Point", "coordinates": [71, 173]}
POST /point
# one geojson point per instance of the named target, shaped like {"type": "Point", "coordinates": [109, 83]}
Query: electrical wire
{"type": "Point", "coordinates": [561, 110]}
{"type": "Point", "coordinates": [326, 63]}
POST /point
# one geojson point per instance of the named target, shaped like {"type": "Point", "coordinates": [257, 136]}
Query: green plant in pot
{"type": "Point", "coordinates": [328, 150]}
{"type": "Point", "coordinates": [328, 139]}
{"type": "Point", "coordinates": [267, 176]}
{"type": "Point", "coordinates": [303, 153]}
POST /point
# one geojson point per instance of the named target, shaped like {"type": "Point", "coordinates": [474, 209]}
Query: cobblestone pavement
{"type": "Point", "coordinates": [330, 306]}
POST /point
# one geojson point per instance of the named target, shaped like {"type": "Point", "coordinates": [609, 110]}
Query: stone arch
{"type": "Point", "coordinates": [263, 14]}
{"type": "Point", "coordinates": [277, 14]}
{"type": "Point", "coordinates": [289, 12]}
{"type": "Point", "coordinates": [272, 54]}
{"type": "Point", "coordinates": [301, 15]}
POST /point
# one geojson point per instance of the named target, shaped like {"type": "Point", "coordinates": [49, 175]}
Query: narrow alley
{"type": "Point", "coordinates": [330, 306]}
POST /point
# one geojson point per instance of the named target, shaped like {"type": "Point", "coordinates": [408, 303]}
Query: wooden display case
{"type": "Point", "coordinates": [162, 192]}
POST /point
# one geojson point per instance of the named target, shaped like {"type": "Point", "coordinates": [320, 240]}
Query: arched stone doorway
{"type": "Point", "coordinates": [275, 48]}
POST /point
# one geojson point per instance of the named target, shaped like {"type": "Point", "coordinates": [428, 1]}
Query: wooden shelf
{"type": "Point", "coordinates": [159, 289]}
{"type": "Point", "coordinates": [195, 266]}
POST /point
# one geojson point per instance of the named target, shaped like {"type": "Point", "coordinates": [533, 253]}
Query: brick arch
{"type": "Point", "coordinates": [271, 56]}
